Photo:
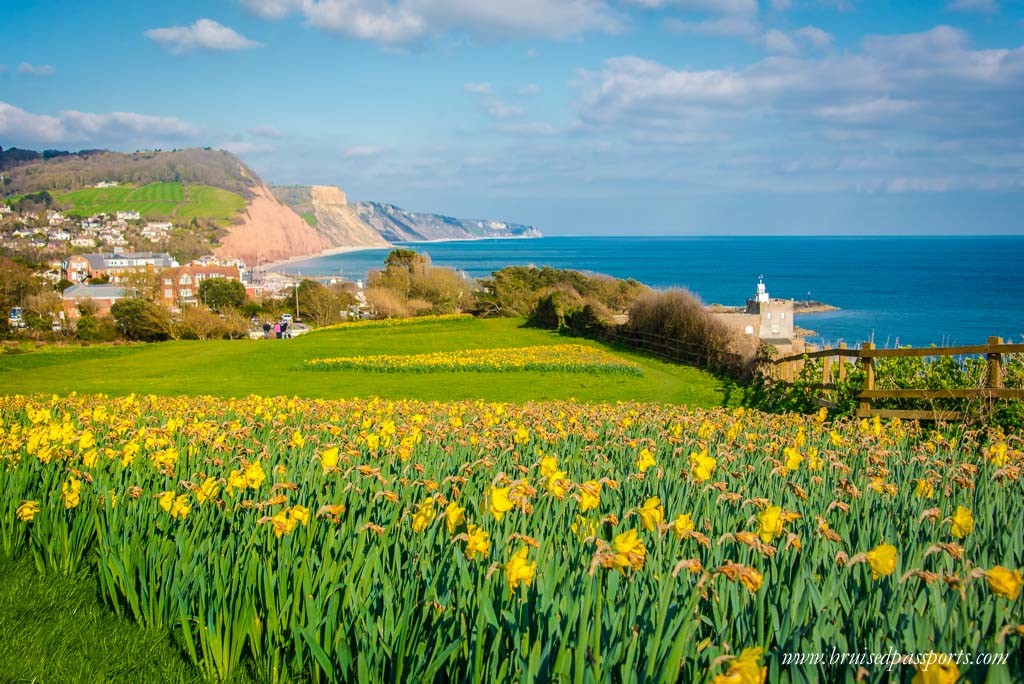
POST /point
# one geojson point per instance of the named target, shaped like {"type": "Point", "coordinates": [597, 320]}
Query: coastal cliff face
{"type": "Point", "coordinates": [337, 221]}
{"type": "Point", "coordinates": [270, 231]}
{"type": "Point", "coordinates": [398, 225]}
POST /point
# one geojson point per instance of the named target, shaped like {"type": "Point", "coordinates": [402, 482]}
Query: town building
{"type": "Point", "coordinates": [764, 320]}
{"type": "Point", "coordinates": [115, 264]}
{"type": "Point", "coordinates": [180, 286]}
{"type": "Point", "coordinates": [100, 297]}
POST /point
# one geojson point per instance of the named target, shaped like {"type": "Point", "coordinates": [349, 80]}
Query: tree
{"type": "Point", "coordinates": [142, 321]}
{"type": "Point", "coordinates": [220, 294]}
{"type": "Point", "coordinates": [321, 304]}
{"type": "Point", "coordinates": [15, 283]}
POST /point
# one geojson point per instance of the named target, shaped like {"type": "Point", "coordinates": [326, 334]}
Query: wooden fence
{"type": "Point", "coordinates": [786, 369]}
{"type": "Point", "coordinates": [671, 349]}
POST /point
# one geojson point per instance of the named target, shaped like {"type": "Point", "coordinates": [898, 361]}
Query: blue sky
{"type": "Point", "coordinates": [578, 116]}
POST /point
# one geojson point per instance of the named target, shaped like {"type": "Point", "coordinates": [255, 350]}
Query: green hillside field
{"type": "Point", "coordinates": [172, 201]}
{"type": "Point", "coordinates": [273, 367]}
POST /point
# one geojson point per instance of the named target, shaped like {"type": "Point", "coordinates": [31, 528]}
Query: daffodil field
{"type": "Point", "coordinates": [565, 358]}
{"type": "Point", "coordinates": [308, 540]}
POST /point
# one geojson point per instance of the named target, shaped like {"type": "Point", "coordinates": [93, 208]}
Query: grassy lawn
{"type": "Point", "coordinates": [270, 367]}
{"type": "Point", "coordinates": [54, 629]}
{"type": "Point", "coordinates": [158, 200]}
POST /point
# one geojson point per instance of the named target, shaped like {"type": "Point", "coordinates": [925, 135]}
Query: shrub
{"type": "Point", "coordinates": [553, 305]}
{"type": "Point", "coordinates": [680, 319]}
{"type": "Point", "coordinates": [142, 321]}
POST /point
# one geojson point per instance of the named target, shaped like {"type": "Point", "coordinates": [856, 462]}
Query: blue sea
{"type": "Point", "coordinates": [890, 290]}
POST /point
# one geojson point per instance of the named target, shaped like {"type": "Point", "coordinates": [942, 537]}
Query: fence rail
{"type": "Point", "coordinates": [787, 368]}
{"type": "Point", "coordinates": [670, 349]}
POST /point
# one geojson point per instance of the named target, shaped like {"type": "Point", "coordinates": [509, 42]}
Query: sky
{"type": "Point", "coordinates": [625, 117]}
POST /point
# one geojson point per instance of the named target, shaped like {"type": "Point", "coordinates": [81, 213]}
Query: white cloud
{"type": "Point", "coordinates": [266, 132]}
{"type": "Point", "coordinates": [531, 130]}
{"type": "Point", "coordinates": [363, 152]}
{"type": "Point", "coordinates": [500, 109]}
{"type": "Point", "coordinates": [980, 6]}
{"type": "Point", "coordinates": [406, 21]}
{"type": "Point", "coordinates": [814, 36]}
{"type": "Point", "coordinates": [529, 89]}
{"type": "Point", "coordinates": [937, 68]}
{"type": "Point", "coordinates": [709, 6]}
{"type": "Point", "coordinates": [205, 34]}
{"type": "Point", "coordinates": [75, 126]}
{"type": "Point", "coordinates": [782, 5]}
{"type": "Point", "coordinates": [777, 42]}
{"type": "Point", "coordinates": [492, 104]}
{"type": "Point", "coordinates": [40, 70]}
{"type": "Point", "coordinates": [244, 147]}
{"type": "Point", "coordinates": [728, 26]}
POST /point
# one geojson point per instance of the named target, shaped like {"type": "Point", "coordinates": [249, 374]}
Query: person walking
{"type": "Point", "coordinates": [284, 330]}
{"type": "Point", "coordinates": [266, 329]}
{"type": "Point", "coordinates": [277, 330]}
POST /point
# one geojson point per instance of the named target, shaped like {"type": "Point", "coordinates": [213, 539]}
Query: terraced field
{"type": "Point", "coordinates": [158, 201]}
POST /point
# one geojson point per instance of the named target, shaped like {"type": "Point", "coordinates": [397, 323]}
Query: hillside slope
{"type": "Point", "coordinates": [270, 231]}
{"type": "Point", "coordinates": [326, 208]}
{"type": "Point", "coordinates": [398, 225]}
{"type": "Point", "coordinates": [26, 171]}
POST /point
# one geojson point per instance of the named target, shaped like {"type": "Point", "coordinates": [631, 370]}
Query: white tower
{"type": "Point", "coordinates": [762, 292]}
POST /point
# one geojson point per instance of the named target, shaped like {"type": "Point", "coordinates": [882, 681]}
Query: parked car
{"type": "Point", "coordinates": [287, 318]}
{"type": "Point", "coordinates": [16, 318]}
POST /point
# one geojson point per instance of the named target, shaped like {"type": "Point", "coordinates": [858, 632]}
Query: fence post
{"type": "Point", "coordinates": [826, 370]}
{"type": "Point", "coordinates": [868, 362]}
{"type": "Point", "coordinates": [995, 365]}
{"type": "Point", "coordinates": [842, 363]}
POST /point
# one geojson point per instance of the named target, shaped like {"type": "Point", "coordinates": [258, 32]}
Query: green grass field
{"type": "Point", "coordinates": [268, 367]}
{"type": "Point", "coordinates": [158, 201]}
{"type": "Point", "coordinates": [57, 629]}
{"type": "Point", "coordinates": [54, 629]}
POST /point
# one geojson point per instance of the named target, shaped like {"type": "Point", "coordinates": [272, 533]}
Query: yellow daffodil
{"type": "Point", "coordinates": [629, 550]}
{"type": "Point", "coordinates": [925, 489]}
{"type": "Point", "coordinates": [963, 523]}
{"type": "Point", "coordinates": [518, 571]}
{"type": "Point", "coordinates": [682, 524]}
{"type": "Point", "coordinates": [645, 460]}
{"type": "Point", "coordinates": [652, 513]}
{"type": "Point", "coordinates": [71, 492]}
{"type": "Point", "coordinates": [454, 516]}
{"type": "Point", "coordinates": [208, 490]}
{"type": "Point", "coordinates": [166, 501]}
{"type": "Point", "coordinates": [882, 559]}
{"type": "Point", "coordinates": [500, 504]}
{"type": "Point", "coordinates": [590, 495]}
{"type": "Point", "coordinates": [477, 542]}
{"type": "Point", "coordinates": [27, 510]}
{"type": "Point", "coordinates": [423, 516]}
{"type": "Point", "coordinates": [297, 440]}
{"type": "Point", "coordinates": [181, 507]}
{"type": "Point", "coordinates": [702, 466]}
{"type": "Point", "coordinates": [254, 475]}
{"type": "Point", "coordinates": [769, 523]}
{"type": "Point", "coordinates": [548, 466]}
{"type": "Point", "coordinates": [329, 459]}
{"type": "Point", "coordinates": [939, 668]}
{"type": "Point", "coordinates": [998, 454]}
{"type": "Point", "coordinates": [746, 669]}
{"type": "Point", "coordinates": [557, 484]}
{"type": "Point", "coordinates": [1004, 582]}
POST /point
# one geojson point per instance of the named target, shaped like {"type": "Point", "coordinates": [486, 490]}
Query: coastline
{"type": "Point", "coordinates": [270, 266]}
{"type": "Point", "coordinates": [364, 248]}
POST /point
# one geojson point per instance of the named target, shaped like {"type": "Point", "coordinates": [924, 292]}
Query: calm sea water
{"type": "Point", "coordinates": [906, 290]}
